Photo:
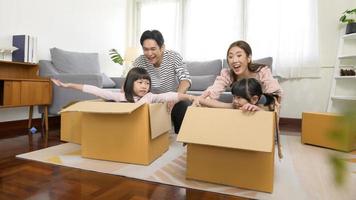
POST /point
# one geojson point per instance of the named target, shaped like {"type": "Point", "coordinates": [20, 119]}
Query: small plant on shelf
{"type": "Point", "coordinates": [349, 18]}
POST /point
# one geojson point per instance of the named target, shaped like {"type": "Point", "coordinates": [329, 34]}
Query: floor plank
{"type": "Point", "coordinates": [23, 179]}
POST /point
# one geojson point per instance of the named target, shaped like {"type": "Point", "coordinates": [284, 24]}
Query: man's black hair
{"type": "Point", "coordinates": [154, 35]}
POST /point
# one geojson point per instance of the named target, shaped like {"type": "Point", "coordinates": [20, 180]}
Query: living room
{"type": "Point", "coordinates": [97, 26]}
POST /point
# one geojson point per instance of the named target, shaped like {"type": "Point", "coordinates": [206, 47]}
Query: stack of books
{"type": "Point", "coordinates": [27, 48]}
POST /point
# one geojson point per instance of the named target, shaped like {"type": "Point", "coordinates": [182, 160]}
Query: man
{"type": "Point", "coordinates": [167, 70]}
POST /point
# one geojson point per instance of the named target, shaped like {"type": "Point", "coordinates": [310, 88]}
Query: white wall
{"type": "Point", "coordinates": [74, 25]}
{"type": "Point", "coordinates": [97, 26]}
{"type": "Point", "coordinates": [312, 94]}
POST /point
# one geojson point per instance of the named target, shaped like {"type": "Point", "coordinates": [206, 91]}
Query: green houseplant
{"type": "Point", "coordinates": [349, 18]}
{"type": "Point", "coordinates": [131, 54]}
{"type": "Point", "coordinates": [115, 56]}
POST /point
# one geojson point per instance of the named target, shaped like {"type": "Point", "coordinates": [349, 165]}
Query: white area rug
{"type": "Point", "coordinates": [303, 173]}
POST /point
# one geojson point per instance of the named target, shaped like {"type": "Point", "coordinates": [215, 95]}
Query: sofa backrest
{"type": "Point", "coordinates": [75, 62]}
{"type": "Point", "coordinates": [68, 62]}
{"type": "Point", "coordinates": [203, 73]}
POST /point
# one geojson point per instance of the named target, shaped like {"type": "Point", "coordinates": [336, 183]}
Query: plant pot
{"type": "Point", "coordinates": [351, 28]}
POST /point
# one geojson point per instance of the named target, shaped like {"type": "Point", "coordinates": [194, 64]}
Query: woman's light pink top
{"type": "Point", "coordinates": [120, 96]}
{"type": "Point", "coordinates": [269, 84]}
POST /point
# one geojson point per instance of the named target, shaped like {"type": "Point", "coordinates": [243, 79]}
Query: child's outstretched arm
{"type": "Point", "coordinates": [67, 85]}
{"type": "Point", "coordinates": [187, 97]}
{"type": "Point", "coordinates": [168, 97]}
{"type": "Point", "coordinates": [99, 92]}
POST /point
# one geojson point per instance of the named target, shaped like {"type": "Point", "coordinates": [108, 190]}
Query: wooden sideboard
{"type": "Point", "coordinates": [21, 85]}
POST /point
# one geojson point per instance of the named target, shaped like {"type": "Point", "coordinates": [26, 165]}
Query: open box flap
{"type": "Point", "coordinates": [228, 128]}
{"type": "Point", "coordinates": [160, 119]}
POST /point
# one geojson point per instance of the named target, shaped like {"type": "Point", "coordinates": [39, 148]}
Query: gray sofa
{"type": "Point", "coordinates": [74, 67]}
{"type": "Point", "coordinates": [84, 68]}
{"type": "Point", "coordinates": [204, 73]}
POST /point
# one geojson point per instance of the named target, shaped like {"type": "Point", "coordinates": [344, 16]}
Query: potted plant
{"type": "Point", "coordinates": [349, 18]}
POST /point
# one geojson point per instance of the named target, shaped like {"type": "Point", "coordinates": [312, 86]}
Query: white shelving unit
{"type": "Point", "coordinates": [343, 88]}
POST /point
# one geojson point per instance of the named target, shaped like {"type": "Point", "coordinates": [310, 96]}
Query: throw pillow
{"type": "Point", "coordinates": [75, 62]}
{"type": "Point", "coordinates": [200, 83]}
{"type": "Point", "coordinates": [107, 82]}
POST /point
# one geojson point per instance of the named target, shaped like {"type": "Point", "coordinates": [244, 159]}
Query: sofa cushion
{"type": "Point", "coordinates": [75, 62]}
{"type": "Point", "coordinates": [212, 67]}
{"type": "Point", "coordinates": [200, 83]}
{"type": "Point", "coordinates": [265, 61]}
{"type": "Point", "coordinates": [107, 82]}
{"type": "Point", "coordinates": [203, 73]}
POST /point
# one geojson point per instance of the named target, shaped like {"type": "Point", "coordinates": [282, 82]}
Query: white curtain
{"type": "Point", "coordinates": [287, 30]}
{"type": "Point", "coordinates": [162, 15]}
{"type": "Point", "coordinates": [210, 26]}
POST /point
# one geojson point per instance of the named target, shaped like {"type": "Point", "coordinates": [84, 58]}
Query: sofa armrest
{"type": "Point", "coordinates": [47, 68]}
{"type": "Point", "coordinates": [119, 81]}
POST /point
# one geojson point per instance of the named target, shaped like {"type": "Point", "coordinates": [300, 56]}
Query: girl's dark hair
{"type": "Point", "coordinates": [253, 67]}
{"type": "Point", "coordinates": [154, 35]}
{"type": "Point", "coordinates": [247, 88]}
{"type": "Point", "coordinates": [134, 74]}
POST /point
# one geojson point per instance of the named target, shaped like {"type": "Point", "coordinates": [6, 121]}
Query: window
{"type": "Point", "coordinates": [203, 29]}
{"type": "Point", "coordinates": [291, 39]}
{"type": "Point", "coordinates": [163, 15]}
{"type": "Point", "coordinates": [209, 28]}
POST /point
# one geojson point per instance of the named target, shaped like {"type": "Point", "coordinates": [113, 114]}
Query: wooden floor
{"type": "Point", "coordinates": [22, 179]}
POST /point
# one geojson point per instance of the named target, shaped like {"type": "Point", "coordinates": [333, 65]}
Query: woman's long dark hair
{"type": "Point", "coordinates": [134, 74]}
{"type": "Point", "coordinates": [249, 87]}
{"type": "Point", "coordinates": [253, 67]}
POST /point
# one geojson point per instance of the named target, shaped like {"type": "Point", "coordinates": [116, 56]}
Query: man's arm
{"type": "Point", "coordinates": [183, 86]}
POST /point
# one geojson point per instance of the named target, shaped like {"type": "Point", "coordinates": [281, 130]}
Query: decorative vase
{"type": "Point", "coordinates": [351, 28]}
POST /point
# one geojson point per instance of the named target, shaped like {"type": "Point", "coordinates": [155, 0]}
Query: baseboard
{"type": "Point", "coordinates": [19, 127]}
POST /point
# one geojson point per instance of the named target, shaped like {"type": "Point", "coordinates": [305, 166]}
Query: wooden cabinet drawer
{"type": "Point", "coordinates": [12, 93]}
{"type": "Point", "coordinates": [25, 93]}
{"type": "Point", "coordinates": [35, 92]}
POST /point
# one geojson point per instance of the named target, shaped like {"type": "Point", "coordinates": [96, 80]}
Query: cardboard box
{"type": "Point", "coordinates": [71, 127]}
{"type": "Point", "coordinates": [71, 130]}
{"type": "Point", "coordinates": [317, 129]}
{"type": "Point", "coordinates": [124, 132]}
{"type": "Point", "coordinates": [230, 147]}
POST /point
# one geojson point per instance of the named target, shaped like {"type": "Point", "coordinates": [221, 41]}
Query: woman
{"type": "Point", "coordinates": [239, 59]}
{"type": "Point", "coordinates": [167, 71]}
